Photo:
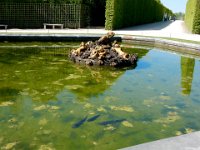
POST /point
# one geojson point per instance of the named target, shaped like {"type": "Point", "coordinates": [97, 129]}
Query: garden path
{"type": "Point", "coordinates": [169, 29]}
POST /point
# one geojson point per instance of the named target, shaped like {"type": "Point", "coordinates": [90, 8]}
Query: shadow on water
{"type": "Point", "coordinates": [187, 70]}
{"type": "Point", "coordinates": [96, 80]}
{"type": "Point", "coordinates": [86, 82]}
{"type": "Point", "coordinates": [13, 52]}
{"type": "Point", "coordinates": [43, 72]}
{"type": "Point", "coordinates": [14, 55]}
{"type": "Point", "coordinates": [141, 52]}
{"type": "Point", "coordinates": [8, 94]}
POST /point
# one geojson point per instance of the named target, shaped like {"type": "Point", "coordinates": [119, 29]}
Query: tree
{"type": "Point", "coordinates": [180, 16]}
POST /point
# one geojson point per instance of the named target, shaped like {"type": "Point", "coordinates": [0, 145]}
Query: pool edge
{"type": "Point", "coordinates": [189, 48]}
{"type": "Point", "coordinates": [183, 142]}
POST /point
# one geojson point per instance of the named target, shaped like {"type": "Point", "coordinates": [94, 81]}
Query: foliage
{"type": "Point", "coordinates": [33, 15]}
{"type": "Point", "coordinates": [55, 1]}
{"type": "Point", "coordinates": [96, 19]}
{"type": "Point", "coordinates": [50, 1]}
{"type": "Point", "coordinates": [123, 13]}
{"type": "Point", "coordinates": [196, 27]}
{"type": "Point", "coordinates": [192, 16]}
{"type": "Point", "coordinates": [180, 15]}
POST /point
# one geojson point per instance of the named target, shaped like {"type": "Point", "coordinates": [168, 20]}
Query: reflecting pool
{"type": "Point", "coordinates": [48, 102]}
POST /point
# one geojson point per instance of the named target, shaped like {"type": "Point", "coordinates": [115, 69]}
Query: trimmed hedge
{"type": "Point", "coordinates": [96, 11]}
{"type": "Point", "coordinates": [33, 15]}
{"type": "Point", "coordinates": [52, 1]}
{"type": "Point", "coordinates": [46, 1]}
{"type": "Point", "coordinates": [123, 13]}
{"type": "Point", "coordinates": [192, 16]}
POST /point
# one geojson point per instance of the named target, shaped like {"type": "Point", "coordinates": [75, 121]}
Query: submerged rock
{"type": "Point", "coordinates": [46, 147]}
{"type": "Point", "coordinates": [43, 122]}
{"type": "Point", "coordinates": [101, 109]}
{"type": "Point", "coordinates": [9, 146]}
{"type": "Point", "coordinates": [127, 124]}
{"type": "Point", "coordinates": [122, 108]}
{"type": "Point", "coordinates": [6, 104]}
{"type": "Point", "coordinates": [42, 107]}
{"type": "Point", "coordinates": [46, 107]}
{"type": "Point", "coordinates": [109, 128]}
{"type": "Point", "coordinates": [102, 52]}
{"type": "Point", "coordinates": [170, 118]}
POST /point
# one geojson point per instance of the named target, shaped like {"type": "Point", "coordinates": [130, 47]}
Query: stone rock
{"type": "Point", "coordinates": [102, 52]}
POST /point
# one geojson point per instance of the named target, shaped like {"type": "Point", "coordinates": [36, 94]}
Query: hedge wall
{"type": "Point", "coordinates": [192, 16]}
{"type": "Point", "coordinates": [96, 12]}
{"type": "Point", "coordinates": [53, 1]}
{"type": "Point", "coordinates": [47, 1]}
{"type": "Point", "coordinates": [33, 15]}
{"type": "Point", "coordinates": [123, 13]}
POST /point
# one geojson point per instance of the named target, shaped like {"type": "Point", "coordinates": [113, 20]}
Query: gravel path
{"type": "Point", "coordinates": [177, 26]}
{"type": "Point", "coordinates": [167, 29]}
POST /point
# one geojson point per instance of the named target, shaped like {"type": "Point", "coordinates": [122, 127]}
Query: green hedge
{"type": "Point", "coordinates": [50, 1]}
{"type": "Point", "coordinates": [123, 13]}
{"type": "Point", "coordinates": [96, 11]}
{"type": "Point", "coordinates": [192, 16]}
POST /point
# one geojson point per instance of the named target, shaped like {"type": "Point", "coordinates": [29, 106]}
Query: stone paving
{"type": "Point", "coordinates": [184, 142]}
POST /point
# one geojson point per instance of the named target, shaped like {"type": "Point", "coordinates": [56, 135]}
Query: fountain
{"type": "Point", "coordinates": [102, 52]}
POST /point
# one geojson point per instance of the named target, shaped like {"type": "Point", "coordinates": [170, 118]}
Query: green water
{"type": "Point", "coordinates": [43, 96]}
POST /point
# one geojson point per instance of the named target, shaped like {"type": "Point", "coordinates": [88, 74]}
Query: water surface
{"type": "Point", "coordinates": [48, 102]}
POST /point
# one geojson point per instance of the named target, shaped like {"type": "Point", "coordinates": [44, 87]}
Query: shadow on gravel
{"type": "Point", "coordinates": [151, 26]}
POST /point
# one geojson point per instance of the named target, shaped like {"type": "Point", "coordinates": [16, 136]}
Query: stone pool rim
{"type": "Point", "coordinates": [177, 46]}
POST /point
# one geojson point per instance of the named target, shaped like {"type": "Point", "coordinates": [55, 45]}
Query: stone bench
{"type": "Point", "coordinates": [5, 26]}
{"type": "Point", "coordinates": [53, 25]}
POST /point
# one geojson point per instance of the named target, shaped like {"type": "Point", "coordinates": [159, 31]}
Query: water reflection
{"type": "Point", "coordinates": [86, 82]}
{"type": "Point", "coordinates": [96, 80]}
{"type": "Point", "coordinates": [187, 70]}
{"type": "Point", "coordinates": [43, 72]}
{"type": "Point", "coordinates": [141, 52]}
{"type": "Point", "coordinates": [8, 94]}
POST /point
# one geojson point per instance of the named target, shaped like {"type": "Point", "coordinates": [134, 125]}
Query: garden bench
{"type": "Point", "coordinates": [3, 25]}
{"type": "Point", "coordinates": [53, 25]}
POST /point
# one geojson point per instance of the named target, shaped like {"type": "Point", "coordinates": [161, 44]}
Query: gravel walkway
{"type": "Point", "coordinates": [177, 26]}
{"type": "Point", "coordinates": [168, 29]}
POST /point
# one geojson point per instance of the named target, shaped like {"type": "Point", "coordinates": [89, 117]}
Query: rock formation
{"type": "Point", "coordinates": [102, 52]}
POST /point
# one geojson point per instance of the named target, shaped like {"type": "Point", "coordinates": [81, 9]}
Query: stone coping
{"type": "Point", "coordinates": [188, 48]}
{"type": "Point", "coordinates": [184, 142]}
